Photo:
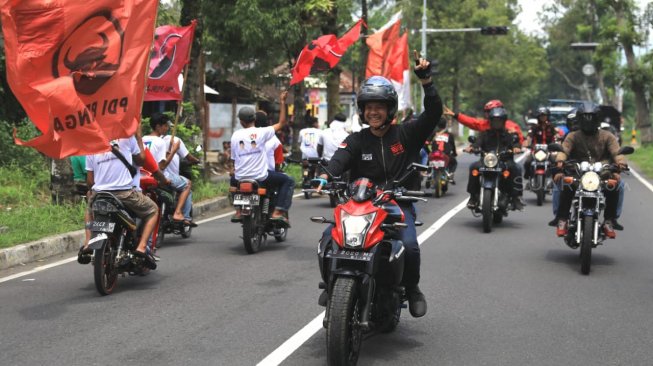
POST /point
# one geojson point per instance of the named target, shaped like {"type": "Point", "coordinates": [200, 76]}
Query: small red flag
{"type": "Point", "coordinates": [324, 53]}
{"type": "Point", "coordinates": [78, 69]}
{"type": "Point", "coordinates": [381, 47]}
{"type": "Point", "coordinates": [170, 53]}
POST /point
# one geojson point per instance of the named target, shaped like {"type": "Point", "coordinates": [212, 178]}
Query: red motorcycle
{"type": "Point", "coordinates": [166, 199]}
{"type": "Point", "coordinates": [362, 265]}
{"type": "Point", "coordinates": [438, 178]}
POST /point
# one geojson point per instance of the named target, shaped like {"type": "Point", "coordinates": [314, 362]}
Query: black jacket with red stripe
{"type": "Point", "coordinates": [385, 159]}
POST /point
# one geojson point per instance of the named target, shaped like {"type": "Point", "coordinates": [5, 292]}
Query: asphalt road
{"type": "Point", "coordinates": [511, 297]}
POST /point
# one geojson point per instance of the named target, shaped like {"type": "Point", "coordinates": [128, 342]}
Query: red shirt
{"type": "Point", "coordinates": [482, 124]}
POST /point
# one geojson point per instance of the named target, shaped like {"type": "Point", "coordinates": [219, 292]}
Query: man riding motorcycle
{"type": "Point", "coordinates": [497, 138]}
{"type": "Point", "coordinates": [592, 144]}
{"type": "Point", "coordinates": [444, 142]}
{"type": "Point", "coordinates": [542, 133]}
{"type": "Point", "coordinates": [483, 124]}
{"type": "Point", "coordinates": [384, 151]}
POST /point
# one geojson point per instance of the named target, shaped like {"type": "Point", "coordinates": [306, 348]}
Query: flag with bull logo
{"type": "Point", "coordinates": [170, 53]}
{"type": "Point", "coordinates": [78, 68]}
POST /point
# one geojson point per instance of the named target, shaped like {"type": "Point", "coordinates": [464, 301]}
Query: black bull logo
{"type": "Point", "coordinates": [94, 65]}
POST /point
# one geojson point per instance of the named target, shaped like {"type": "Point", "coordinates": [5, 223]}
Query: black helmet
{"type": "Point", "coordinates": [497, 118]}
{"type": "Point", "coordinates": [442, 124]}
{"type": "Point", "coordinates": [543, 111]}
{"type": "Point", "coordinates": [588, 117]}
{"type": "Point", "coordinates": [247, 114]}
{"type": "Point", "coordinates": [377, 89]}
{"type": "Point", "coordinates": [572, 121]}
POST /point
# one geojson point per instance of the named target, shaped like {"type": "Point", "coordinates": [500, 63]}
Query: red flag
{"type": "Point", "coordinates": [381, 45]}
{"type": "Point", "coordinates": [170, 53]}
{"type": "Point", "coordinates": [398, 60]}
{"type": "Point", "coordinates": [78, 69]}
{"type": "Point", "coordinates": [324, 53]}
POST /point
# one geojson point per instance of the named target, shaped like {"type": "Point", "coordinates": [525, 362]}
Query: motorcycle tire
{"type": "Point", "coordinates": [280, 234]}
{"type": "Point", "coordinates": [540, 192]}
{"type": "Point", "coordinates": [486, 210]}
{"type": "Point", "coordinates": [186, 231]}
{"type": "Point", "coordinates": [343, 335]}
{"type": "Point", "coordinates": [251, 237]}
{"type": "Point", "coordinates": [586, 245]}
{"type": "Point", "coordinates": [307, 195]}
{"type": "Point", "coordinates": [391, 316]}
{"type": "Point", "coordinates": [333, 201]}
{"type": "Point", "coordinates": [103, 269]}
{"type": "Point", "coordinates": [437, 185]}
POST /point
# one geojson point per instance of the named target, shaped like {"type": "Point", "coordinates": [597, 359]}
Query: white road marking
{"type": "Point", "coordinates": [72, 259]}
{"type": "Point", "coordinates": [642, 179]}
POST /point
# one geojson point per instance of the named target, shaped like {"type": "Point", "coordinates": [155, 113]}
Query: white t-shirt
{"type": "Point", "coordinates": [109, 173]}
{"type": "Point", "coordinates": [249, 153]}
{"type": "Point", "coordinates": [157, 147]}
{"type": "Point", "coordinates": [270, 148]}
{"type": "Point", "coordinates": [332, 137]}
{"type": "Point", "coordinates": [182, 152]}
{"type": "Point", "coordinates": [308, 139]}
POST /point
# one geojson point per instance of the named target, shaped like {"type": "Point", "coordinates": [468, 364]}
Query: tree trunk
{"type": "Point", "coordinates": [299, 106]}
{"type": "Point", "coordinates": [364, 50]}
{"type": "Point", "coordinates": [194, 84]}
{"type": "Point", "coordinates": [455, 102]}
{"type": "Point", "coordinates": [62, 186]}
{"type": "Point", "coordinates": [333, 76]}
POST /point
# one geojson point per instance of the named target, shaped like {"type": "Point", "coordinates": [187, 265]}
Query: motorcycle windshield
{"type": "Point", "coordinates": [362, 189]}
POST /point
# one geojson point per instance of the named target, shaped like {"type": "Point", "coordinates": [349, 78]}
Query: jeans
{"type": "Point", "coordinates": [424, 157]}
{"type": "Point", "coordinates": [188, 205]}
{"type": "Point", "coordinates": [620, 203]}
{"type": "Point", "coordinates": [284, 184]}
{"type": "Point", "coordinates": [555, 198]}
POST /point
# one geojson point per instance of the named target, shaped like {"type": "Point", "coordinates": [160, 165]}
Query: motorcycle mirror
{"type": "Point", "coordinates": [471, 139]}
{"type": "Point", "coordinates": [554, 147]}
{"type": "Point", "coordinates": [319, 219]}
{"type": "Point", "coordinates": [626, 150]}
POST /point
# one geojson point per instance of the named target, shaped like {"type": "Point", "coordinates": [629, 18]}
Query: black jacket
{"type": "Point", "coordinates": [385, 159]}
{"type": "Point", "coordinates": [497, 141]}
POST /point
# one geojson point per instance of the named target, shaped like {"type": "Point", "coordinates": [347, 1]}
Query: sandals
{"type": "Point", "coordinates": [84, 255]}
{"type": "Point", "coordinates": [148, 261]}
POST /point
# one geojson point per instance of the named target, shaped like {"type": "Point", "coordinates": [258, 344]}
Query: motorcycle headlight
{"type": "Point", "coordinates": [490, 160]}
{"type": "Point", "coordinates": [597, 167]}
{"type": "Point", "coordinates": [584, 166]}
{"type": "Point", "coordinates": [540, 155]}
{"type": "Point", "coordinates": [356, 227]}
{"type": "Point", "coordinates": [590, 181]}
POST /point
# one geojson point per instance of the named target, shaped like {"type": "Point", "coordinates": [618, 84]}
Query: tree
{"type": "Point", "coordinates": [194, 82]}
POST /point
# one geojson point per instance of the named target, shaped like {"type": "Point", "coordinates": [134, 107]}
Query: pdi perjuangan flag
{"type": "Point", "coordinates": [170, 53]}
{"type": "Point", "coordinates": [324, 53]}
{"type": "Point", "coordinates": [78, 68]}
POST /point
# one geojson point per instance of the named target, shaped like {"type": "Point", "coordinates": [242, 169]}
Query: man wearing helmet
{"type": "Point", "coordinates": [383, 152]}
{"type": "Point", "coordinates": [542, 133]}
{"type": "Point", "coordinates": [483, 124]}
{"type": "Point", "coordinates": [591, 144]}
{"type": "Point", "coordinates": [497, 138]}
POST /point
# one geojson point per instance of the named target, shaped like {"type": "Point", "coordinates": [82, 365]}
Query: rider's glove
{"type": "Point", "coordinates": [424, 73]}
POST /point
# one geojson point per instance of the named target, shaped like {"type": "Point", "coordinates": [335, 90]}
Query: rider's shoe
{"type": "Point", "coordinates": [527, 185]}
{"type": "Point", "coordinates": [561, 229]}
{"type": "Point", "coordinates": [280, 216]}
{"type": "Point", "coordinates": [416, 301]}
{"type": "Point", "coordinates": [324, 297]}
{"type": "Point", "coordinates": [608, 229]}
{"type": "Point", "coordinates": [473, 202]}
{"type": "Point", "coordinates": [84, 255]}
{"type": "Point", "coordinates": [554, 222]}
{"type": "Point", "coordinates": [450, 178]}
{"type": "Point", "coordinates": [236, 217]}
{"type": "Point", "coordinates": [518, 203]}
{"type": "Point", "coordinates": [616, 225]}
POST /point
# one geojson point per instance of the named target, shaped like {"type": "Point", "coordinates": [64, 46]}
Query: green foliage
{"type": "Point", "coordinates": [643, 159]}
{"type": "Point", "coordinates": [25, 158]}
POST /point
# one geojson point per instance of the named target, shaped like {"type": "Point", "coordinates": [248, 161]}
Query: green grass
{"type": "Point", "coordinates": [295, 171]}
{"type": "Point", "coordinates": [27, 215]}
{"type": "Point", "coordinates": [643, 159]}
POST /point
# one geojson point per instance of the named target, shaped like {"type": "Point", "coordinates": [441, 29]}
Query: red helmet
{"type": "Point", "coordinates": [495, 103]}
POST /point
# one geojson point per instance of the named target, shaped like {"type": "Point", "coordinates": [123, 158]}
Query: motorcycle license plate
{"type": "Point", "coordinates": [437, 164]}
{"type": "Point", "coordinates": [103, 226]}
{"type": "Point", "coordinates": [240, 199]}
{"type": "Point", "coordinates": [486, 169]}
{"type": "Point", "coordinates": [349, 254]}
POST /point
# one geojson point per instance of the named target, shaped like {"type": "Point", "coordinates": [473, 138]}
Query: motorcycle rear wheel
{"type": "Point", "coordinates": [343, 334]}
{"type": "Point", "coordinates": [437, 184]}
{"type": "Point", "coordinates": [486, 210]}
{"type": "Point", "coordinates": [586, 245]}
{"type": "Point", "coordinates": [103, 269]}
{"type": "Point", "coordinates": [251, 237]}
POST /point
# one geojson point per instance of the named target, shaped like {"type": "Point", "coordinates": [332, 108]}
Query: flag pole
{"type": "Point", "coordinates": [181, 91]}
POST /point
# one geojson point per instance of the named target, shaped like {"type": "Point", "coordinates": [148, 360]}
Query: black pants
{"type": "Point", "coordinates": [567, 195]}
{"type": "Point", "coordinates": [513, 185]}
{"type": "Point", "coordinates": [453, 164]}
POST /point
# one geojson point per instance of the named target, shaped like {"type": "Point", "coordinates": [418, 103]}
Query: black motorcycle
{"type": "Point", "coordinates": [114, 239]}
{"type": "Point", "coordinates": [589, 179]}
{"type": "Point", "coordinates": [254, 202]}
{"type": "Point", "coordinates": [540, 181]}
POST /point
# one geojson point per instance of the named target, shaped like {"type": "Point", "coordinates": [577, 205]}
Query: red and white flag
{"type": "Point", "coordinates": [170, 53]}
{"type": "Point", "coordinates": [78, 68]}
{"type": "Point", "coordinates": [324, 53]}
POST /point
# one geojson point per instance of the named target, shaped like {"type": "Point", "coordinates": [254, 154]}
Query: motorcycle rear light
{"type": "Point", "coordinates": [262, 191]}
{"type": "Point", "coordinates": [475, 173]}
{"type": "Point", "coordinates": [506, 173]}
{"type": "Point", "coordinates": [233, 189]}
{"type": "Point", "coordinates": [246, 187]}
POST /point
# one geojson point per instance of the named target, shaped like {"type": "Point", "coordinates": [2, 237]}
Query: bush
{"type": "Point", "coordinates": [25, 158]}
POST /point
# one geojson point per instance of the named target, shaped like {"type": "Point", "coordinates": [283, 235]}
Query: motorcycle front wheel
{"type": "Point", "coordinates": [540, 192]}
{"type": "Point", "coordinates": [486, 210]}
{"type": "Point", "coordinates": [104, 270]}
{"type": "Point", "coordinates": [251, 237]}
{"type": "Point", "coordinates": [343, 334]}
{"type": "Point", "coordinates": [586, 245]}
{"type": "Point", "coordinates": [437, 184]}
